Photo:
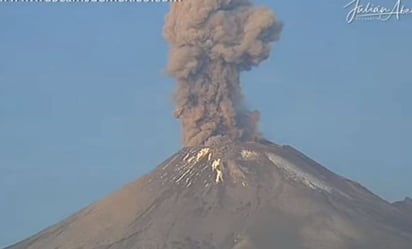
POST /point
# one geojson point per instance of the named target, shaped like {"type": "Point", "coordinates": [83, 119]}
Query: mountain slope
{"type": "Point", "coordinates": [405, 206]}
{"type": "Point", "coordinates": [271, 197]}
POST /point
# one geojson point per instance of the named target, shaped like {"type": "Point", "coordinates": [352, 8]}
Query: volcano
{"type": "Point", "coordinates": [233, 195]}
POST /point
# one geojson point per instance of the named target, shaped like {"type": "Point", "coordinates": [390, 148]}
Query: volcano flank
{"type": "Point", "coordinates": [269, 196]}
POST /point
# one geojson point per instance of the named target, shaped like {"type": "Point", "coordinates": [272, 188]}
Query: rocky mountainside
{"type": "Point", "coordinates": [256, 195]}
{"type": "Point", "coordinates": [405, 206]}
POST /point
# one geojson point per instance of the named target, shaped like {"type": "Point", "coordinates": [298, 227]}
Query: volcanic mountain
{"type": "Point", "coordinates": [234, 195]}
{"type": "Point", "coordinates": [405, 205]}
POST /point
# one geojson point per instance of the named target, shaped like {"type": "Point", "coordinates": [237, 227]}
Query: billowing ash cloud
{"type": "Point", "coordinates": [211, 42]}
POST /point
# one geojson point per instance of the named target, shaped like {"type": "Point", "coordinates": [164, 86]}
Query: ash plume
{"type": "Point", "coordinates": [211, 42]}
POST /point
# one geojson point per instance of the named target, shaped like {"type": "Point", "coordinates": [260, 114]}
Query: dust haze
{"type": "Point", "coordinates": [211, 42]}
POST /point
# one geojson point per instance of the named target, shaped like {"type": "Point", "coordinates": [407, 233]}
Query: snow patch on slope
{"type": "Point", "coordinates": [297, 174]}
{"type": "Point", "coordinates": [249, 155]}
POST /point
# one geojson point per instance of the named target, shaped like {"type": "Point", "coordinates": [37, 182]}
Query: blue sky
{"type": "Point", "coordinates": [85, 106]}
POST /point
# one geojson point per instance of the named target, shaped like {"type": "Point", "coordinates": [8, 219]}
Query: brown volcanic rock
{"type": "Point", "coordinates": [271, 197]}
{"type": "Point", "coordinates": [405, 206]}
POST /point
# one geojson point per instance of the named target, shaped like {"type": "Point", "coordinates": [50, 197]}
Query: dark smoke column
{"type": "Point", "coordinates": [211, 42]}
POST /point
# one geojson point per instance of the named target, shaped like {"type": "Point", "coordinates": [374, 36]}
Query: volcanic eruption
{"type": "Point", "coordinates": [211, 42]}
{"type": "Point", "coordinates": [229, 188]}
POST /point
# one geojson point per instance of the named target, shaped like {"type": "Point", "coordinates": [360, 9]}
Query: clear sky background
{"type": "Point", "coordinates": [85, 106]}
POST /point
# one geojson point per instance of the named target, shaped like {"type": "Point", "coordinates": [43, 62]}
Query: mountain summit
{"type": "Point", "coordinates": [252, 195]}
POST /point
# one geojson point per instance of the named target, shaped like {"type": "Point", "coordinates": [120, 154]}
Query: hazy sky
{"type": "Point", "coordinates": [85, 106]}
